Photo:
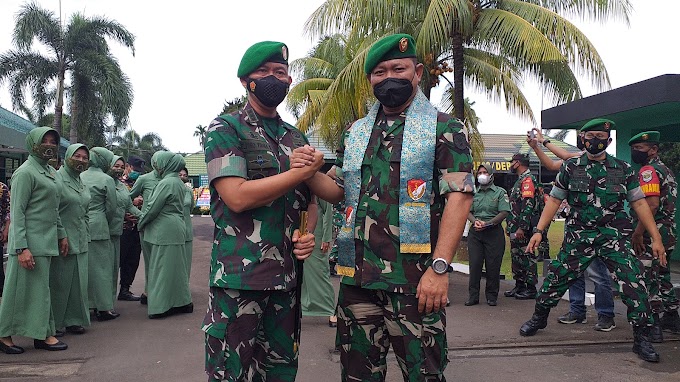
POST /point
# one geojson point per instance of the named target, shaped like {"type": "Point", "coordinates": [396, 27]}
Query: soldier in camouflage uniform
{"type": "Point", "coordinates": [524, 206]}
{"type": "Point", "coordinates": [253, 317]}
{"type": "Point", "coordinates": [390, 295]}
{"type": "Point", "coordinates": [661, 192]}
{"type": "Point", "coordinates": [596, 186]}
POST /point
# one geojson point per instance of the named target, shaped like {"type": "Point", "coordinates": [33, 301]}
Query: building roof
{"type": "Point", "coordinates": [501, 147]}
{"type": "Point", "coordinates": [316, 141]}
{"type": "Point", "coordinates": [13, 130]}
{"type": "Point", "coordinates": [196, 163]}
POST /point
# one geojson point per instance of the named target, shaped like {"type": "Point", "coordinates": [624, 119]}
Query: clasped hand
{"type": "Point", "coordinates": [307, 158]}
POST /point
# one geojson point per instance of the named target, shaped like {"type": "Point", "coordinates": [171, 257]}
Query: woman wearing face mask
{"type": "Point", "coordinates": [165, 231]}
{"type": "Point", "coordinates": [486, 240]}
{"type": "Point", "coordinates": [123, 206]}
{"type": "Point", "coordinates": [188, 206]}
{"type": "Point", "coordinates": [68, 274]}
{"type": "Point", "coordinates": [101, 211]}
{"type": "Point", "coordinates": [35, 237]}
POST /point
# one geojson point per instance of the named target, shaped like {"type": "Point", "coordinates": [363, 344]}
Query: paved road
{"type": "Point", "coordinates": [484, 342]}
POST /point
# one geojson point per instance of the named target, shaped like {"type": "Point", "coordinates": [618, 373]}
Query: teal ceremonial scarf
{"type": "Point", "coordinates": [415, 184]}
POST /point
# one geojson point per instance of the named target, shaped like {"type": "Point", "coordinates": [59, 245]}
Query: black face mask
{"type": "Point", "coordinates": [639, 157]}
{"type": "Point", "coordinates": [393, 92]}
{"type": "Point", "coordinates": [579, 143]}
{"type": "Point", "coordinates": [513, 170]}
{"type": "Point", "coordinates": [269, 90]}
{"type": "Point", "coordinates": [596, 146]}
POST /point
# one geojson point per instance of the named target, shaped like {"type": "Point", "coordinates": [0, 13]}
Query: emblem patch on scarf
{"type": "Point", "coordinates": [416, 188]}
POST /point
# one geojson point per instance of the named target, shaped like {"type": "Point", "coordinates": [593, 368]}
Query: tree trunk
{"type": "Point", "coordinates": [458, 71]}
{"type": "Point", "coordinates": [73, 133]}
{"type": "Point", "coordinates": [59, 105]}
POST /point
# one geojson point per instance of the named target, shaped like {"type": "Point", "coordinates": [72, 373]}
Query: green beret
{"type": "Point", "coordinates": [388, 48]}
{"type": "Point", "coordinates": [646, 137]}
{"type": "Point", "coordinates": [599, 124]}
{"type": "Point", "coordinates": [258, 54]}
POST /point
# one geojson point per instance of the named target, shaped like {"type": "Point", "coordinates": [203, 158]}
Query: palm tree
{"type": "Point", "coordinates": [131, 143]}
{"type": "Point", "coordinates": [201, 132]}
{"type": "Point", "coordinates": [234, 105]}
{"type": "Point", "coordinates": [493, 45]}
{"type": "Point", "coordinates": [98, 88]}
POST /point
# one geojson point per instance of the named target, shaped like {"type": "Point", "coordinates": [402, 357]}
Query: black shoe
{"type": "Point", "coordinates": [75, 329]}
{"type": "Point", "coordinates": [143, 299]}
{"type": "Point", "coordinates": [59, 333]}
{"type": "Point", "coordinates": [670, 321]}
{"type": "Point", "coordinates": [491, 302]}
{"type": "Point", "coordinates": [511, 292]}
{"type": "Point", "coordinates": [605, 323]}
{"type": "Point", "coordinates": [641, 345]}
{"type": "Point", "coordinates": [14, 349]}
{"type": "Point", "coordinates": [538, 321]}
{"type": "Point", "coordinates": [526, 294]}
{"type": "Point", "coordinates": [655, 332]}
{"type": "Point", "coordinates": [106, 316]}
{"type": "Point", "coordinates": [126, 295]}
{"type": "Point", "coordinates": [188, 308]}
{"type": "Point", "coordinates": [160, 315]}
{"type": "Point", "coordinates": [471, 302]}
{"type": "Point", "coordinates": [333, 324]}
{"type": "Point", "coordinates": [38, 344]}
{"type": "Point", "coordinates": [572, 318]}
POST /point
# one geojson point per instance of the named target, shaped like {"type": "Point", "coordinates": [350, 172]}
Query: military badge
{"type": "Point", "coordinates": [607, 125]}
{"type": "Point", "coordinates": [349, 211]}
{"type": "Point", "coordinates": [645, 137]}
{"type": "Point", "coordinates": [646, 176]}
{"type": "Point", "coordinates": [252, 86]}
{"type": "Point", "coordinates": [284, 52]}
{"type": "Point", "coordinates": [403, 44]}
{"type": "Point", "coordinates": [416, 188]}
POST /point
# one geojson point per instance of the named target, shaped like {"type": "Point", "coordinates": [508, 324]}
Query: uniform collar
{"type": "Point", "coordinates": [251, 117]}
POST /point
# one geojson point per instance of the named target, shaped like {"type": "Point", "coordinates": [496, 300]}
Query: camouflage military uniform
{"type": "Point", "coordinates": [656, 179]}
{"type": "Point", "coordinates": [524, 204]}
{"type": "Point", "coordinates": [377, 307]}
{"type": "Point", "coordinates": [598, 226]}
{"type": "Point", "coordinates": [252, 319]}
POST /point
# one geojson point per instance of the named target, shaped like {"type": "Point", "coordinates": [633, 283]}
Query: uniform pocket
{"type": "Point", "coordinates": [260, 164]}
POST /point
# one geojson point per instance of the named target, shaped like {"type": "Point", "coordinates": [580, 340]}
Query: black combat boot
{"type": "Point", "coordinates": [538, 321]}
{"type": "Point", "coordinates": [655, 333]}
{"type": "Point", "coordinates": [126, 295]}
{"type": "Point", "coordinates": [527, 293]}
{"type": "Point", "coordinates": [641, 345]}
{"type": "Point", "coordinates": [511, 293]}
{"type": "Point", "coordinates": [670, 321]}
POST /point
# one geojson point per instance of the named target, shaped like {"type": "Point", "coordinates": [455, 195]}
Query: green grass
{"type": "Point", "coordinates": [555, 235]}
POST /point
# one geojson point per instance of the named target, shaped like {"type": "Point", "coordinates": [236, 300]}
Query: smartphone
{"type": "Point", "coordinates": [532, 134]}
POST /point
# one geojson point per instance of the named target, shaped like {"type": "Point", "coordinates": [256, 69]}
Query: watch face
{"type": "Point", "coordinates": [439, 266]}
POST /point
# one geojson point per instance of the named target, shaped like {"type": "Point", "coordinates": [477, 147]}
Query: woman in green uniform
{"type": "Point", "coordinates": [318, 297]}
{"type": "Point", "coordinates": [165, 232]}
{"type": "Point", "coordinates": [68, 274]}
{"type": "Point", "coordinates": [188, 206]}
{"type": "Point", "coordinates": [123, 205]}
{"type": "Point", "coordinates": [35, 237]}
{"type": "Point", "coordinates": [102, 210]}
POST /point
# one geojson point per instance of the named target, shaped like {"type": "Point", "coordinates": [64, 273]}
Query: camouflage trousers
{"type": "Point", "coordinates": [658, 279]}
{"type": "Point", "coordinates": [370, 320]}
{"type": "Point", "coordinates": [578, 251]}
{"type": "Point", "coordinates": [250, 335]}
{"type": "Point", "coordinates": [524, 269]}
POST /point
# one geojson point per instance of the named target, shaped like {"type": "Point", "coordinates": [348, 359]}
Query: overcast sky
{"type": "Point", "coordinates": [187, 55]}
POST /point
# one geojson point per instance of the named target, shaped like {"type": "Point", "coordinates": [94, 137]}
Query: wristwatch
{"type": "Point", "coordinates": [545, 142]}
{"type": "Point", "coordinates": [19, 250]}
{"type": "Point", "coordinates": [441, 266]}
{"type": "Point", "coordinates": [541, 231]}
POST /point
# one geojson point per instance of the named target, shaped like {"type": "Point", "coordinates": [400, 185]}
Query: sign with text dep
{"type": "Point", "coordinates": [203, 199]}
{"type": "Point", "coordinates": [203, 180]}
{"type": "Point", "coordinates": [498, 166]}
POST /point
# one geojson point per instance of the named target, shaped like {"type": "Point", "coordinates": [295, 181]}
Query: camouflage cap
{"type": "Point", "coordinates": [599, 124]}
{"type": "Point", "coordinates": [522, 158]}
{"type": "Point", "coordinates": [261, 52]}
{"type": "Point", "coordinates": [388, 48]}
{"type": "Point", "coordinates": [646, 137]}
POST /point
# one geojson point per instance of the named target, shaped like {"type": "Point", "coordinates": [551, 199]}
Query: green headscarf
{"type": "Point", "coordinates": [115, 159]}
{"type": "Point", "coordinates": [162, 161]}
{"type": "Point", "coordinates": [72, 165]}
{"type": "Point", "coordinates": [175, 165]}
{"type": "Point", "coordinates": [154, 159]}
{"type": "Point", "coordinates": [101, 158]}
{"type": "Point", "coordinates": [42, 153]}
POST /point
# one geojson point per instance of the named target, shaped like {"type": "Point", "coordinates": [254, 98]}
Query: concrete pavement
{"type": "Point", "coordinates": [484, 343]}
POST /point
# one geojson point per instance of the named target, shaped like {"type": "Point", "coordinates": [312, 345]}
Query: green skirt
{"type": "Point", "coordinates": [115, 242]}
{"type": "Point", "coordinates": [68, 289]}
{"type": "Point", "coordinates": [100, 272]}
{"type": "Point", "coordinates": [146, 252]}
{"type": "Point", "coordinates": [189, 254]}
{"type": "Point", "coordinates": [26, 307]}
{"type": "Point", "coordinates": [318, 297]}
{"type": "Point", "coordinates": [168, 283]}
